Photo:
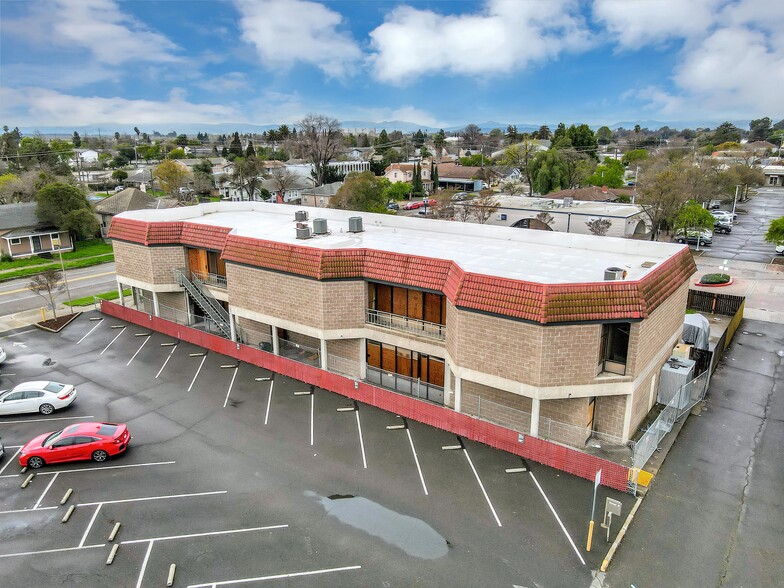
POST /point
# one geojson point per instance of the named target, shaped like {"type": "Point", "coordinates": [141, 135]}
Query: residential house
{"type": "Point", "coordinates": [461, 177]}
{"type": "Point", "coordinates": [22, 234]}
{"type": "Point", "coordinates": [404, 172]}
{"type": "Point", "coordinates": [320, 196]}
{"type": "Point", "coordinates": [125, 200]}
{"type": "Point", "coordinates": [774, 174]}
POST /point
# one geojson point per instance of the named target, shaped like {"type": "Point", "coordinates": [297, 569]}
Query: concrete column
{"type": "Point", "coordinates": [188, 313]}
{"type": "Point", "coordinates": [120, 292]}
{"type": "Point", "coordinates": [535, 404]}
{"type": "Point", "coordinates": [447, 382]}
{"type": "Point", "coordinates": [627, 418]}
{"type": "Point", "coordinates": [458, 392]}
{"type": "Point", "coordinates": [155, 308]}
{"type": "Point", "coordinates": [275, 344]}
{"type": "Point", "coordinates": [323, 354]}
{"type": "Point", "coordinates": [232, 327]}
{"type": "Point", "coordinates": [362, 358]}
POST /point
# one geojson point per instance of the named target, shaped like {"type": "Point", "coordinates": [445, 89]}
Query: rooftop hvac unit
{"type": "Point", "coordinates": [303, 233]}
{"type": "Point", "coordinates": [355, 224]}
{"type": "Point", "coordinates": [301, 215]}
{"type": "Point", "coordinates": [614, 273]}
{"type": "Point", "coordinates": [320, 226]}
{"type": "Point", "coordinates": [567, 201]}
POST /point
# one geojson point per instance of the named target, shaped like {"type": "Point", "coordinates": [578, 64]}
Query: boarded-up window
{"type": "Point", "coordinates": [415, 304]}
{"type": "Point", "coordinates": [432, 308]}
{"type": "Point", "coordinates": [436, 372]}
{"type": "Point", "coordinates": [384, 298]}
{"type": "Point", "coordinates": [374, 354]}
{"type": "Point", "coordinates": [399, 301]}
{"type": "Point", "coordinates": [403, 361]}
{"type": "Point", "coordinates": [197, 261]}
{"type": "Point", "coordinates": [388, 357]}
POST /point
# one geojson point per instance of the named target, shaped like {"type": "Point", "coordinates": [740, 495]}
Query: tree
{"type": "Point", "coordinates": [137, 131]}
{"type": "Point", "coordinates": [418, 139]}
{"type": "Point", "coordinates": [512, 136]}
{"type": "Point", "coordinates": [482, 207]}
{"type": "Point", "coordinates": [176, 154]}
{"type": "Point", "coordinates": [439, 142]}
{"type": "Point", "coordinates": [171, 176]}
{"type": "Point", "coordinates": [604, 136]}
{"type": "Point", "coordinates": [81, 222]}
{"type": "Point", "coordinates": [416, 185]}
{"type": "Point", "coordinates": [693, 216]}
{"type": "Point", "coordinates": [49, 284]}
{"type": "Point", "coordinates": [434, 176]}
{"type": "Point", "coordinates": [545, 218]}
{"type": "Point", "coordinates": [610, 174]}
{"type": "Point", "coordinates": [559, 135]}
{"type": "Point", "coordinates": [397, 191]}
{"type": "Point", "coordinates": [250, 151]}
{"type": "Point", "coordinates": [599, 226]}
{"type": "Point", "coordinates": [34, 151]}
{"type": "Point", "coordinates": [382, 141]}
{"type": "Point", "coordinates": [583, 139]}
{"type": "Point", "coordinates": [321, 138]}
{"type": "Point", "coordinates": [726, 131]}
{"type": "Point", "coordinates": [283, 179]}
{"type": "Point", "coordinates": [55, 202]}
{"type": "Point", "coordinates": [424, 152]}
{"type": "Point", "coordinates": [633, 156]}
{"type": "Point", "coordinates": [202, 183]}
{"type": "Point", "coordinates": [120, 175]}
{"type": "Point", "coordinates": [246, 176]}
{"type": "Point", "coordinates": [660, 190]}
{"type": "Point", "coordinates": [775, 232]}
{"type": "Point", "coordinates": [544, 133]}
{"type": "Point", "coordinates": [148, 152]}
{"type": "Point", "coordinates": [548, 172]}
{"type": "Point", "coordinates": [362, 191]}
{"type": "Point", "coordinates": [76, 140]}
{"type": "Point", "coordinates": [760, 129]}
{"type": "Point", "coordinates": [181, 140]}
{"type": "Point", "coordinates": [235, 147]}
{"type": "Point", "coordinates": [472, 135]}
{"type": "Point", "coordinates": [520, 157]}
{"type": "Point", "coordinates": [577, 166]}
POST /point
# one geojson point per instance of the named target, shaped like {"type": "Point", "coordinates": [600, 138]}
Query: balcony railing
{"type": "Point", "coordinates": [211, 279]}
{"type": "Point", "coordinates": [404, 384]}
{"type": "Point", "coordinates": [404, 323]}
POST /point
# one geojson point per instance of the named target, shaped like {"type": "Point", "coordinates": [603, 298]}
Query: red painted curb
{"type": "Point", "coordinates": [539, 450]}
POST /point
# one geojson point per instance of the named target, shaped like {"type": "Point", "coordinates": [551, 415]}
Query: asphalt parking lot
{"type": "Point", "coordinates": [243, 477]}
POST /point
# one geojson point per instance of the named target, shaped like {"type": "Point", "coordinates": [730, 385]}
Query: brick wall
{"type": "Point", "coordinates": [639, 401]}
{"type": "Point", "coordinates": [343, 356]}
{"type": "Point", "coordinates": [136, 262]}
{"type": "Point", "coordinates": [173, 299]}
{"type": "Point", "coordinates": [610, 411]}
{"type": "Point", "coordinates": [506, 409]}
{"type": "Point", "coordinates": [569, 354]}
{"type": "Point", "coordinates": [254, 331]}
{"type": "Point", "coordinates": [321, 305]}
{"type": "Point", "coordinates": [564, 420]}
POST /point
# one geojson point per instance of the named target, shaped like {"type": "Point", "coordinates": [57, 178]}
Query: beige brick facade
{"type": "Point", "coordinates": [255, 332]}
{"type": "Point", "coordinates": [498, 406]}
{"type": "Point", "coordinates": [343, 356]}
{"type": "Point", "coordinates": [153, 265]}
{"type": "Point", "coordinates": [610, 412]}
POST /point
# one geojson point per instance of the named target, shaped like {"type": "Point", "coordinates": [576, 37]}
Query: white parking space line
{"type": "Point", "coordinates": [196, 375]}
{"type": "Point", "coordinates": [275, 577]}
{"type": "Point", "coordinates": [312, 407]}
{"type": "Point", "coordinates": [207, 534]}
{"type": "Point", "coordinates": [21, 333]}
{"type": "Point", "coordinates": [144, 564]}
{"type": "Point", "coordinates": [113, 340]}
{"type": "Point", "coordinates": [487, 498]}
{"type": "Point", "coordinates": [361, 442]}
{"type": "Point", "coordinates": [49, 485]}
{"type": "Point", "coordinates": [234, 375]}
{"type": "Point", "coordinates": [90, 525]}
{"type": "Point", "coordinates": [557, 518]}
{"type": "Point", "coordinates": [269, 401]}
{"type": "Point", "coordinates": [53, 550]}
{"type": "Point", "coordinates": [98, 469]}
{"type": "Point", "coordinates": [90, 331]}
{"type": "Point", "coordinates": [148, 498]}
{"type": "Point", "coordinates": [146, 340]}
{"type": "Point", "coordinates": [168, 357]}
{"type": "Point", "coordinates": [21, 510]}
{"type": "Point", "coordinates": [416, 460]}
{"type": "Point", "coordinates": [11, 460]}
{"type": "Point", "coordinates": [89, 416]}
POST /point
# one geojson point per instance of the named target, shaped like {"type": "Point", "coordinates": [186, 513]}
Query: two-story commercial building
{"type": "Point", "coordinates": [551, 334]}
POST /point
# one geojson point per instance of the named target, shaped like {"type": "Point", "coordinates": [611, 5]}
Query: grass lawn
{"type": "Point", "coordinates": [72, 264]}
{"type": "Point", "coordinates": [83, 249]}
{"type": "Point", "coordinates": [87, 300]}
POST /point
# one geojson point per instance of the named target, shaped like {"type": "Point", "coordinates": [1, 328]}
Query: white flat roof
{"type": "Point", "coordinates": [536, 256]}
{"type": "Point", "coordinates": [556, 206]}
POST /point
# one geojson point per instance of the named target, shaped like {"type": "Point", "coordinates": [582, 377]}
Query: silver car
{"type": "Point", "coordinates": [44, 397]}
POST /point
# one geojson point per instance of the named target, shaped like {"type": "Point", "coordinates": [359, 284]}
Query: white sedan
{"type": "Point", "coordinates": [2, 355]}
{"type": "Point", "coordinates": [43, 397]}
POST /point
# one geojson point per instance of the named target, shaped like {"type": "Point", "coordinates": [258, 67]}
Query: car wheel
{"type": "Point", "coordinates": [46, 409]}
{"type": "Point", "coordinates": [681, 240]}
{"type": "Point", "coordinates": [35, 462]}
{"type": "Point", "coordinates": [100, 455]}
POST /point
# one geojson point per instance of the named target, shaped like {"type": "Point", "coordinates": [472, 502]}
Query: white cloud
{"type": "Point", "coordinates": [285, 32]}
{"type": "Point", "coordinates": [232, 81]}
{"type": "Point", "coordinates": [506, 35]}
{"type": "Point", "coordinates": [635, 24]}
{"type": "Point", "coordinates": [100, 27]}
{"type": "Point", "coordinates": [41, 106]}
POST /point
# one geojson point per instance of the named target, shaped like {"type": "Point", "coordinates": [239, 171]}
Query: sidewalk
{"type": "Point", "coordinates": [19, 320]}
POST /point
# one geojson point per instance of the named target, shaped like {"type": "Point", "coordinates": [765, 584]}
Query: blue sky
{"type": "Point", "coordinates": [436, 63]}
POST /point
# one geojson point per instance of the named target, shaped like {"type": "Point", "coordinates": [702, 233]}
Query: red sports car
{"type": "Point", "coordinates": [96, 441]}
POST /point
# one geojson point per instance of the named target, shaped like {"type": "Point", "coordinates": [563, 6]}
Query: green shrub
{"type": "Point", "coordinates": [715, 279]}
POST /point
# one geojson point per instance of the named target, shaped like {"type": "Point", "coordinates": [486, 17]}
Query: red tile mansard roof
{"type": "Point", "coordinates": [531, 301]}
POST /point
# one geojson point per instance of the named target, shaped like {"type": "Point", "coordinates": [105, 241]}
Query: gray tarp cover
{"type": "Point", "coordinates": [696, 330]}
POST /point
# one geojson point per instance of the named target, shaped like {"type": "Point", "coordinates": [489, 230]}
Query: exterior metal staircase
{"type": "Point", "coordinates": [201, 296]}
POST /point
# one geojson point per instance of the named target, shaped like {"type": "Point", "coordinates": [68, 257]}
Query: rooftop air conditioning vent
{"type": "Point", "coordinates": [567, 201]}
{"type": "Point", "coordinates": [301, 215]}
{"type": "Point", "coordinates": [320, 226]}
{"type": "Point", "coordinates": [355, 224]}
{"type": "Point", "coordinates": [303, 233]}
{"type": "Point", "coordinates": [614, 273]}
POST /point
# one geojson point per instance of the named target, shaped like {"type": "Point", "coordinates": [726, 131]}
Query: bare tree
{"type": "Point", "coordinates": [520, 157]}
{"type": "Point", "coordinates": [463, 212]}
{"type": "Point", "coordinates": [48, 285]}
{"type": "Point", "coordinates": [482, 207]}
{"type": "Point", "coordinates": [512, 187]}
{"type": "Point", "coordinates": [599, 226]}
{"type": "Point", "coordinates": [283, 179]}
{"type": "Point", "coordinates": [472, 135]}
{"type": "Point", "coordinates": [545, 218]}
{"type": "Point", "coordinates": [321, 138]}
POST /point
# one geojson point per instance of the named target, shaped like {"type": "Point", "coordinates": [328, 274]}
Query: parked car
{"type": "Point", "coordinates": [413, 205]}
{"type": "Point", "coordinates": [119, 188]}
{"type": "Point", "coordinates": [2, 449]}
{"type": "Point", "coordinates": [725, 214]}
{"type": "Point", "coordinates": [722, 226]}
{"type": "Point", "coordinates": [44, 397]}
{"type": "Point", "coordinates": [2, 355]}
{"type": "Point", "coordinates": [714, 204]}
{"type": "Point", "coordinates": [84, 441]}
{"type": "Point", "coordinates": [393, 206]}
{"type": "Point", "coordinates": [459, 196]}
{"type": "Point", "coordinates": [780, 248]}
{"type": "Point", "coordinates": [694, 236]}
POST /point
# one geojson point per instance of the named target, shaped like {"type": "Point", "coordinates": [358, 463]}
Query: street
{"type": "Point", "coordinates": [15, 297]}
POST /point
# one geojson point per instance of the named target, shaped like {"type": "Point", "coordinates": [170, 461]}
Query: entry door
{"type": "Point", "coordinates": [36, 243]}
{"type": "Point", "coordinates": [197, 261]}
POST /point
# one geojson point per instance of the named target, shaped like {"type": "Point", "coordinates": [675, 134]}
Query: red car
{"type": "Point", "coordinates": [420, 203]}
{"type": "Point", "coordinates": [96, 441]}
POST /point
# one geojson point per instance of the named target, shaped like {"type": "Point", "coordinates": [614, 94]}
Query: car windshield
{"type": "Point", "coordinates": [57, 435]}
{"type": "Point", "coordinates": [54, 387]}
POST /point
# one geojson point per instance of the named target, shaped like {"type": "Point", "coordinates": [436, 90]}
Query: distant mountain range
{"type": "Point", "coordinates": [109, 129]}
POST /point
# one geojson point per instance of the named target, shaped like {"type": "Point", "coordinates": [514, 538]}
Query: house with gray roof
{"type": "Point", "coordinates": [125, 200]}
{"type": "Point", "coordinates": [22, 234]}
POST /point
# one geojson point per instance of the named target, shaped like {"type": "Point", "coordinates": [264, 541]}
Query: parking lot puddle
{"type": "Point", "coordinates": [413, 536]}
